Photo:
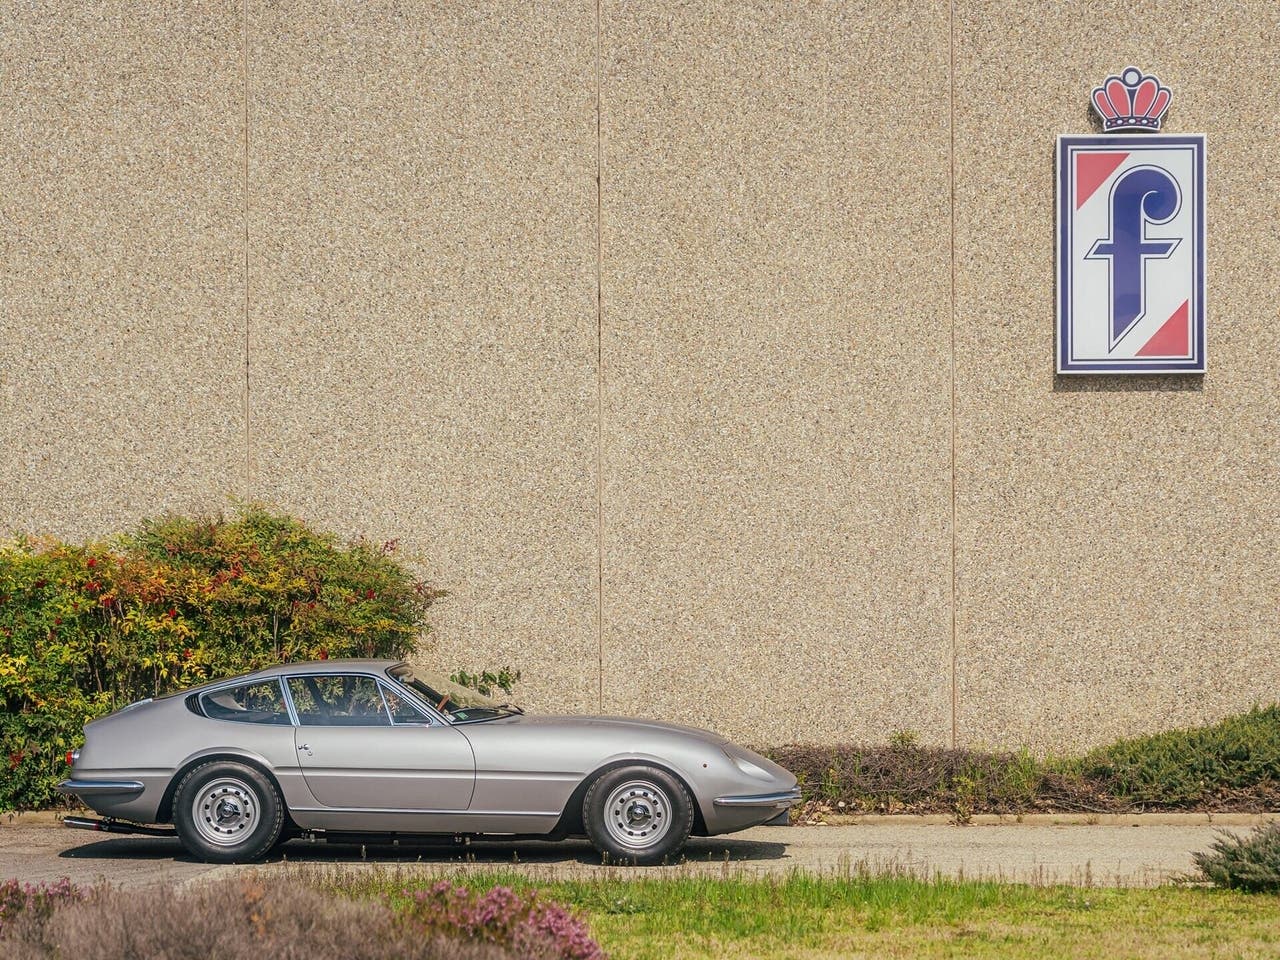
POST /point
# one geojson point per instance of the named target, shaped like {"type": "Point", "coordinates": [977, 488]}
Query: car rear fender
{"type": "Point", "coordinates": [293, 789]}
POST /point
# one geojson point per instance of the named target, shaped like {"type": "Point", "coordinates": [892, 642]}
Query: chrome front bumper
{"type": "Point", "coordinates": [123, 789]}
{"type": "Point", "coordinates": [775, 801]}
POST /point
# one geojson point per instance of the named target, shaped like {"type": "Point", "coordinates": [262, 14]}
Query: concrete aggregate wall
{"type": "Point", "coordinates": [1116, 555]}
{"type": "Point", "coordinates": [422, 307]}
{"type": "Point", "coordinates": [776, 397]}
{"type": "Point", "coordinates": [122, 252]}
{"type": "Point", "coordinates": [702, 350]}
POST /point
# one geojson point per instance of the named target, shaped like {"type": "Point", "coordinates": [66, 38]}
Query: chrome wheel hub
{"type": "Point", "coordinates": [225, 811]}
{"type": "Point", "coordinates": [638, 814]}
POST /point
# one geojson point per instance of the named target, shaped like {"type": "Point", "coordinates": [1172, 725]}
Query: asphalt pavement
{"type": "Point", "coordinates": [1133, 851]}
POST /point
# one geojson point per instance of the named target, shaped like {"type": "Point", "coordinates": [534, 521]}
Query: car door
{"type": "Point", "coordinates": [355, 756]}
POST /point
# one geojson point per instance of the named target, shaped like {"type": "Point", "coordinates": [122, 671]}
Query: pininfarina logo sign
{"type": "Point", "coordinates": [1131, 238]}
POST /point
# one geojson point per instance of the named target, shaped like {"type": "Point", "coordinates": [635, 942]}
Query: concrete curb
{"type": "Point", "coordinates": [1054, 819]}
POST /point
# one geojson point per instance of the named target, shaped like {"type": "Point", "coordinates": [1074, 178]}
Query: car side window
{"type": "Point", "coordinates": [403, 710]}
{"type": "Point", "coordinates": [261, 702]}
{"type": "Point", "coordinates": [338, 700]}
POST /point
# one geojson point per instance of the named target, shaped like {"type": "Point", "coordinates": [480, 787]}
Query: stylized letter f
{"type": "Point", "coordinates": [1142, 195]}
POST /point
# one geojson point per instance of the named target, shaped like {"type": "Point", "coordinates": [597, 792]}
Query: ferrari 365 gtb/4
{"type": "Point", "coordinates": [378, 748]}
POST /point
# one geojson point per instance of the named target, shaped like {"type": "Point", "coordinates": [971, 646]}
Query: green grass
{"type": "Point", "coordinates": [861, 915]}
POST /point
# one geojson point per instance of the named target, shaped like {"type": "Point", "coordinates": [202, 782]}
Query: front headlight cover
{"type": "Point", "coordinates": [748, 767]}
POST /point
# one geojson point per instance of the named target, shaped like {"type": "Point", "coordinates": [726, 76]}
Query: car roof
{"type": "Point", "coordinates": [284, 669]}
{"type": "Point", "coordinates": [326, 666]}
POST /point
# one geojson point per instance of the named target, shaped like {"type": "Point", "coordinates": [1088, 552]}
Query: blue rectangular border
{"type": "Point", "coordinates": [1067, 366]}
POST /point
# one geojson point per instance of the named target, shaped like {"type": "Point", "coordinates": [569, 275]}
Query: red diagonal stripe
{"type": "Point", "coordinates": [1092, 170]}
{"type": "Point", "coordinates": [1173, 339]}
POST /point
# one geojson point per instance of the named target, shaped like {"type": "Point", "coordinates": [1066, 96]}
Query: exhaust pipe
{"type": "Point", "coordinates": [109, 825]}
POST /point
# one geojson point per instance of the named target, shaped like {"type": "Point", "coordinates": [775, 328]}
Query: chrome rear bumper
{"type": "Point", "coordinates": [101, 788]}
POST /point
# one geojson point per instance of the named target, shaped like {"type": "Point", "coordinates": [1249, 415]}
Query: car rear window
{"type": "Point", "coordinates": [261, 702]}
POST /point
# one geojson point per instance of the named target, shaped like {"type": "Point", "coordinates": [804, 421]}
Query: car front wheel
{"type": "Point", "coordinates": [227, 813]}
{"type": "Point", "coordinates": [637, 814]}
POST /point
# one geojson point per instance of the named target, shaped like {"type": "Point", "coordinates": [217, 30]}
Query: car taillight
{"type": "Point", "coordinates": [72, 757]}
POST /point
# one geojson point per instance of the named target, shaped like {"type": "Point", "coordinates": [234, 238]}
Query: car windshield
{"type": "Point", "coordinates": [456, 701]}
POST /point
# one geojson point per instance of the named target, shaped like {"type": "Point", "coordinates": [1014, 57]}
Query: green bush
{"type": "Point", "coordinates": [1230, 765]}
{"type": "Point", "coordinates": [88, 628]}
{"type": "Point", "coordinates": [1180, 768]}
{"type": "Point", "coordinates": [1244, 863]}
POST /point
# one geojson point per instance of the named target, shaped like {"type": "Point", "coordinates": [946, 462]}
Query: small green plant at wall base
{"type": "Point", "coordinates": [488, 681]}
{"type": "Point", "coordinates": [962, 810]}
{"type": "Point", "coordinates": [87, 628]}
{"type": "Point", "coordinates": [904, 739]}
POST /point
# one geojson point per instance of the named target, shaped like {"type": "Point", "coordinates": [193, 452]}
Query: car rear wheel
{"type": "Point", "coordinates": [227, 813]}
{"type": "Point", "coordinates": [637, 814]}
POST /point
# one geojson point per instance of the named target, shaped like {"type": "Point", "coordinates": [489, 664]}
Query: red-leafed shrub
{"type": "Point", "coordinates": [88, 628]}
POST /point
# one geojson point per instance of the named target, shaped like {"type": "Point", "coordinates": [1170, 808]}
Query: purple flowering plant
{"type": "Point", "coordinates": [533, 927]}
{"type": "Point", "coordinates": [41, 899]}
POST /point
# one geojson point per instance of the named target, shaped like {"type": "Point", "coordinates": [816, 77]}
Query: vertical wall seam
{"type": "Point", "coordinates": [599, 396]}
{"type": "Point", "coordinates": [244, 54]}
{"type": "Point", "coordinates": [951, 106]}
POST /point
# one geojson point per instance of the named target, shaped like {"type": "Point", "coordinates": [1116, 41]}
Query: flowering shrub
{"type": "Point", "coordinates": [88, 628]}
{"type": "Point", "coordinates": [34, 900]}
{"type": "Point", "coordinates": [249, 919]}
{"type": "Point", "coordinates": [542, 930]}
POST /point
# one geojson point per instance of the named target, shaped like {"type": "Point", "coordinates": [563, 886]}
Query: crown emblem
{"type": "Point", "coordinates": [1131, 101]}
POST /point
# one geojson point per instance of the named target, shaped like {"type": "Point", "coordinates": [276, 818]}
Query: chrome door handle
{"type": "Point", "coordinates": [306, 747]}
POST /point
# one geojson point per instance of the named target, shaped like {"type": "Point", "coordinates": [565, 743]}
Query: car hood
{"type": "Point", "coordinates": [622, 724]}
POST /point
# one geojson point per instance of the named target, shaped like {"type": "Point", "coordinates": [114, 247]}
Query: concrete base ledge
{"type": "Point", "coordinates": [1054, 819]}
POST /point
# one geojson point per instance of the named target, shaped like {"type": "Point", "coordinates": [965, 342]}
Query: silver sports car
{"type": "Point", "coordinates": [381, 749]}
